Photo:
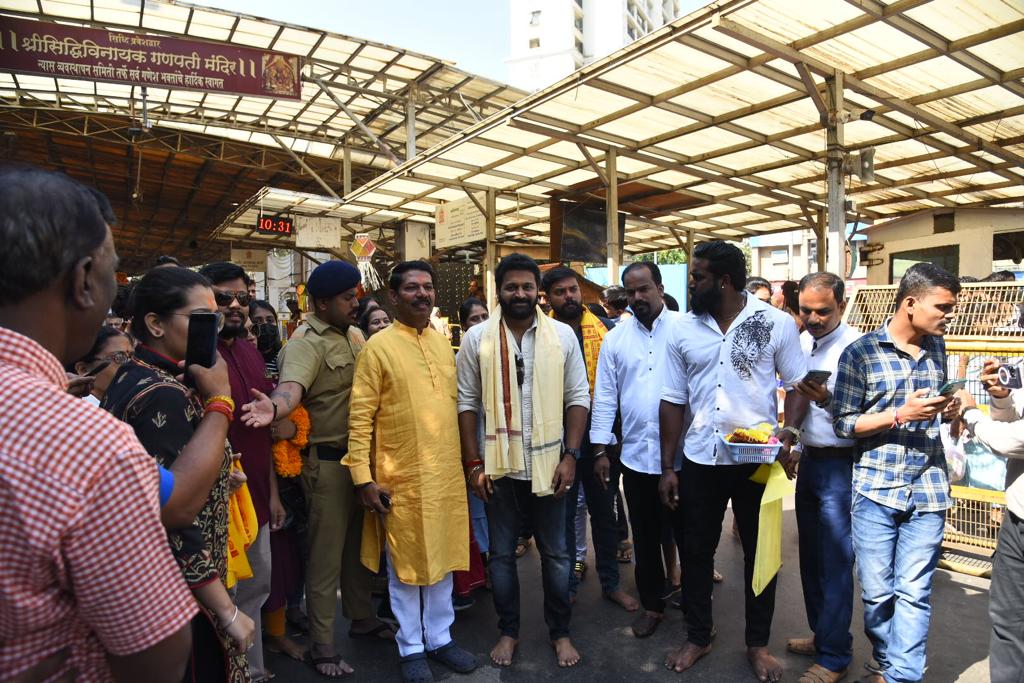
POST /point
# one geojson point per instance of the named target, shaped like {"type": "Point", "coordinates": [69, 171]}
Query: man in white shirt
{"type": "Point", "coordinates": [1003, 432]}
{"type": "Point", "coordinates": [824, 487]}
{"type": "Point", "coordinates": [630, 369]}
{"type": "Point", "coordinates": [518, 338]}
{"type": "Point", "coordinates": [723, 358]}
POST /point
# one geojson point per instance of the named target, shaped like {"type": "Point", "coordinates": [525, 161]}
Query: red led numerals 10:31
{"type": "Point", "coordinates": [274, 225]}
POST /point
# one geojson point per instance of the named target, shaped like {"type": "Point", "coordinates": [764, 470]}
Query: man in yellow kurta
{"type": "Point", "coordinates": [403, 452]}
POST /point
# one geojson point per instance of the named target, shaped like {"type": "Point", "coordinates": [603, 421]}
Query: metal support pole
{"type": "Point", "coordinates": [305, 166]}
{"type": "Point", "coordinates": [491, 254]}
{"type": "Point", "coordinates": [836, 191]}
{"type": "Point", "coordinates": [410, 126]}
{"type": "Point", "coordinates": [690, 239]}
{"type": "Point", "coordinates": [612, 210]}
{"type": "Point", "coordinates": [346, 171]}
{"type": "Point", "coordinates": [821, 232]}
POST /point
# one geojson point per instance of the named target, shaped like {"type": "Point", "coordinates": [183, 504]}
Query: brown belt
{"type": "Point", "coordinates": [829, 451]}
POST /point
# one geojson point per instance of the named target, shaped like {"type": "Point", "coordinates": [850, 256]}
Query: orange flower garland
{"type": "Point", "coordinates": [288, 452]}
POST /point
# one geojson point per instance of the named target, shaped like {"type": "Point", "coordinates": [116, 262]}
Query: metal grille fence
{"type": "Point", "coordinates": [987, 325]}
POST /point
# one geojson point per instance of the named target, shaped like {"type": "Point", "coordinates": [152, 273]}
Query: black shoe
{"type": "Point", "coordinates": [454, 657]}
{"type": "Point", "coordinates": [461, 602]}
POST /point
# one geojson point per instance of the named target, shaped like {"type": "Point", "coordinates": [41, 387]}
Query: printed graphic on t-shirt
{"type": "Point", "coordinates": [749, 342]}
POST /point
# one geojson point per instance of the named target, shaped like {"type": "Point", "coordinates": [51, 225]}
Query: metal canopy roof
{"type": "Point", "coordinates": [375, 83]}
{"type": "Point", "coordinates": [715, 107]}
{"type": "Point", "coordinates": [206, 152]}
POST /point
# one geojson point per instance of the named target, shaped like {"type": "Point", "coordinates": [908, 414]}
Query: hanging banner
{"type": "Point", "coordinates": [318, 233]}
{"type": "Point", "coordinates": [459, 222]}
{"type": "Point", "coordinates": [251, 260]}
{"type": "Point", "coordinates": [60, 51]}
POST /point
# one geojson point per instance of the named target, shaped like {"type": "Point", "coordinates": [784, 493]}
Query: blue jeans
{"type": "Point", "coordinates": [511, 504]}
{"type": "Point", "coordinates": [897, 552]}
{"type": "Point", "coordinates": [823, 493]}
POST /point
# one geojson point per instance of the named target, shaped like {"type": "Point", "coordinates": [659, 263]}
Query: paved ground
{"type": "Point", "coordinates": [957, 647]}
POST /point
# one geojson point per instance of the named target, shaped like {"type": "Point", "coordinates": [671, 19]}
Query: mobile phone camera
{"type": "Point", "coordinates": [1009, 375]}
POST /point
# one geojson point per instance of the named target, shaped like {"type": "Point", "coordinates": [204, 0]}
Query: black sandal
{"type": "Point", "coordinates": [374, 632]}
{"type": "Point", "coordinates": [333, 659]}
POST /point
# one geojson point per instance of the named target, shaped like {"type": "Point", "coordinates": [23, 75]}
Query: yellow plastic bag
{"type": "Point", "coordinates": [242, 530]}
{"type": "Point", "coordinates": [768, 557]}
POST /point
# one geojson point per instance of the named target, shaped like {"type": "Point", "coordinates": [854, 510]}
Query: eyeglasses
{"type": "Point", "coordinates": [224, 297]}
{"type": "Point", "coordinates": [520, 370]}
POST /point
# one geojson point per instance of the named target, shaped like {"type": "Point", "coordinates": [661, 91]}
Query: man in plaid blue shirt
{"type": "Point", "coordinates": [886, 399]}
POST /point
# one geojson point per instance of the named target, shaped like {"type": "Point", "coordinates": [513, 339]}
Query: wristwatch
{"type": "Point", "coordinates": [574, 452]}
{"type": "Point", "coordinates": [826, 403]}
{"type": "Point", "coordinates": [795, 431]}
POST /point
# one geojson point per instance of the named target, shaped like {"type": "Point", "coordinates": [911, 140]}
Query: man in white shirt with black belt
{"type": "Point", "coordinates": [824, 487]}
{"type": "Point", "coordinates": [630, 369]}
{"type": "Point", "coordinates": [723, 358]}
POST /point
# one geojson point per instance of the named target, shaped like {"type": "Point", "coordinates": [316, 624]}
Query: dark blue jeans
{"type": "Point", "coordinates": [511, 502]}
{"type": "Point", "coordinates": [603, 525]}
{"type": "Point", "coordinates": [823, 495]}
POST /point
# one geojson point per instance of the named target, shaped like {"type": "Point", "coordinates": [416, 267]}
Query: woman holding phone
{"type": "Point", "coordinates": [173, 421]}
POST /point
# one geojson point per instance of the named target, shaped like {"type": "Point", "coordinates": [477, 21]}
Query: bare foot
{"type": "Point", "coordinates": [335, 667]}
{"type": "Point", "coordinates": [623, 600]}
{"type": "Point", "coordinates": [565, 652]}
{"type": "Point", "coordinates": [284, 645]}
{"type": "Point", "coordinates": [765, 667]}
{"type": "Point", "coordinates": [503, 651]}
{"type": "Point", "coordinates": [682, 659]}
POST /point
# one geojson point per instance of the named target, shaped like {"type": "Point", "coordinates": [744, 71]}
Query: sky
{"type": "Point", "coordinates": [472, 33]}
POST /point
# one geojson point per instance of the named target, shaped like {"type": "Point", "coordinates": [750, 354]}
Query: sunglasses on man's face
{"type": "Point", "coordinates": [224, 297]}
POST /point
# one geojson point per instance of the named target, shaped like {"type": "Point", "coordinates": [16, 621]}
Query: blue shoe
{"type": "Point", "coordinates": [415, 669]}
{"type": "Point", "coordinates": [454, 657]}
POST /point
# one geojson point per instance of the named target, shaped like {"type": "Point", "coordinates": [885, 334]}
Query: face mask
{"type": "Point", "coordinates": [268, 339]}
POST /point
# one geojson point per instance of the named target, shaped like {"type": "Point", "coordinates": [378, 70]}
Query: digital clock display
{"type": "Point", "coordinates": [275, 225]}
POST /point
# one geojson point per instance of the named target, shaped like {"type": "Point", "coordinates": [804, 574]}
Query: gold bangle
{"type": "Point", "coordinates": [222, 399]}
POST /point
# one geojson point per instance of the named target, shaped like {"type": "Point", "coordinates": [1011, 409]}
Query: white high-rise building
{"type": "Point", "coordinates": [553, 38]}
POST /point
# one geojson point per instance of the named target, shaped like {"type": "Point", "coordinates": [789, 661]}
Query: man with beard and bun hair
{"type": "Point", "coordinates": [403, 453]}
{"type": "Point", "coordinates": [629, 373]}
{"type": "Point", "coordinates": [247, 372]}
{"type": "Point", "coordinates": [723, 359]}
{"type": "Point", "coordinates": [523, 373]}
{"type": "Point", "coordinates": [317, 366]}
{"type": "Point", "coordinates": [592, 474]}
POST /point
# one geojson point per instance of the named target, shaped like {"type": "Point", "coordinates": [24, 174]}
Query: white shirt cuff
{"type": "Point", "coordinates": [598, 437]}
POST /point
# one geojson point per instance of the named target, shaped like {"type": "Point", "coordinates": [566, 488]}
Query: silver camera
{"type": "Point", "coordinates": [1009, 375]}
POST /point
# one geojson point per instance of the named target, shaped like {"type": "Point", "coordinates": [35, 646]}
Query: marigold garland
{"type": "Point", "coordinates": [288, 452]}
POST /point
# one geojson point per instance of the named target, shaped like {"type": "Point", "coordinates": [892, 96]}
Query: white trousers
{"type": "Point", "coordinates": [250, 594]}
{"type": "Point", "coordinates": [425, 613]}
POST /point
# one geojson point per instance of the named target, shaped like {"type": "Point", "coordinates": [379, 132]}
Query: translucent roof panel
{"type": "Point", "coordinates": [711, 122]}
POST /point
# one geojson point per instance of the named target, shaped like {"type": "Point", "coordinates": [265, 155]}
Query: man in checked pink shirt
{"type": "Point", "coordinates": [88, 587]}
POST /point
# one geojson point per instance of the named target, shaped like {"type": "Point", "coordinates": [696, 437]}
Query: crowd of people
{"type": "Point", "coordinates": [361, 453]}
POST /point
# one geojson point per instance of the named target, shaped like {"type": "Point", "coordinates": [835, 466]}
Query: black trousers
{"type": "Point", "coordinates": [650, 521]}
{"type": "Point", "coordinates": [705, 490]}
{"type": "Point", "coordinates": [1006, 597]}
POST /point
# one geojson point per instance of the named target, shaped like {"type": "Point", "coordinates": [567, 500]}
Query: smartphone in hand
{"type": "Point", "coordinates": [951, 387]}
{"type": "Point", "coordinates": [202, 340]}
{"type": "Point", "coordinates": [818, 377]}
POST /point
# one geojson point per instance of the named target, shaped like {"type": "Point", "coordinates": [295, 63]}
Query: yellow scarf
{"type": "Point", "coordinates": [242, 530]}
{"type": "Point", "coordinates": [503, 435]}
{"type": "Point", "coordinates": [768, 556]}
{"type": "Point", "coordinates": [593, 335]}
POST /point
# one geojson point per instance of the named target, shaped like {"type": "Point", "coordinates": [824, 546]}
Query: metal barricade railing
{"type": "Point", "coordinates": [987, 325]}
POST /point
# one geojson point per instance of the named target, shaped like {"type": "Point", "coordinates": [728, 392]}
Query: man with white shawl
{"type": "Point", "coordinates": [523, 373]}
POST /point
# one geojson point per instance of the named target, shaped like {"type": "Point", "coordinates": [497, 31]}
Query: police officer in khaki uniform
{"type": "Point", "coordinates": [317, 366]}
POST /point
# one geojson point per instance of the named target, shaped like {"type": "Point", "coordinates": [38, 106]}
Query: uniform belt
{"type": "Point", "coordinates": [829, 451]}
{"type": "Point", "coordinates": [327, 452]}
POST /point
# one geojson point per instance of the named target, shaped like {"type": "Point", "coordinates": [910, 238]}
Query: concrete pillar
{"type": "Point", "coordinates": [822, 235]}
{"type": "Point", "coordinates": [412, 241]}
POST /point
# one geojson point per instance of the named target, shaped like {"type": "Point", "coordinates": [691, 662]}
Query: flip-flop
{"type": "Point", "coordinates": [333, 659]}
{"type": "Point", "coordinates": [374, 632]}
